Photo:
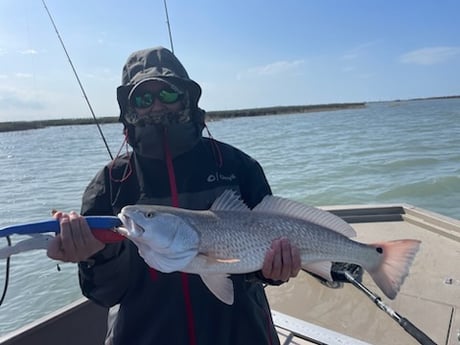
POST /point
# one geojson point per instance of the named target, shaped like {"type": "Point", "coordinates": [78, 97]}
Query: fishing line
{"type": "Point", "coordinates": [7, 274]}
{"type": "Point", "coordinates": [78, 80]}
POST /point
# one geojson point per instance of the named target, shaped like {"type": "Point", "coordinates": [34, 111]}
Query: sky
{"type": "Point", "coordinates": [243, 53]}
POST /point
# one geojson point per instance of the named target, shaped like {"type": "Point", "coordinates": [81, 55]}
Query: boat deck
{"type": "Point", "coordinates": [429, 298]}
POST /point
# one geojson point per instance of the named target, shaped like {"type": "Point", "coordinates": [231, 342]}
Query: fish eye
{"type": "Point", "coordinates": [150, 214]}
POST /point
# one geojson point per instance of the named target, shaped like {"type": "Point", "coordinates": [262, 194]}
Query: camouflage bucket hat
{"type": "Point", "coordinates": [155, 64]}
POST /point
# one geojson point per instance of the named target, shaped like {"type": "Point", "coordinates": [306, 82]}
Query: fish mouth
{"type": "Point", "coordinates": [129, 227]}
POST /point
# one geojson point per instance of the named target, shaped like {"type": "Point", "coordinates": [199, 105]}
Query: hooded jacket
{"type": "Point", "coordinates": [161, 65]}
{"type": "Point", "coordinates": [150, 307]}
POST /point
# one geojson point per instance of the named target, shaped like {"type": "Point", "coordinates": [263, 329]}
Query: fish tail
{"type": "Point", "coordinates": [396, 259]}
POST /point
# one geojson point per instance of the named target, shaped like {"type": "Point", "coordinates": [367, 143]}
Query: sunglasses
{"type": "Point", "coordinates": [146, 99]}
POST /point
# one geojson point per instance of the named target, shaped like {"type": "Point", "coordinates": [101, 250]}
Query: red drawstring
{"type": "Point", "coordinates": [169, 165]}
{"type": "Point", "coordinates": [184, 277]}
{"type": "Point", "coordinates": [188, 309]}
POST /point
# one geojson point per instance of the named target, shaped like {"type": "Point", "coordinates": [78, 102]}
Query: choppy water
{"type": "Point", "coordinates": [405, 152]}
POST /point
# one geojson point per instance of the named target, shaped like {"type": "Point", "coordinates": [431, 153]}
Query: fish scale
{"type": "Point", "coordinates": [255, 232]}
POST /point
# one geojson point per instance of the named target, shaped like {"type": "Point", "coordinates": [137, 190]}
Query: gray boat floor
{"type": "Point", "coordinates": [429, 298]}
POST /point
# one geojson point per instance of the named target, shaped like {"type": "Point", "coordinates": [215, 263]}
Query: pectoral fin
{"type": "Point", "coordinates": [221, 286]}
{"type": "Point", "coordinates": [321, 268]}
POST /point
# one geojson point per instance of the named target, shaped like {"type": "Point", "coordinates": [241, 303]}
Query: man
{"type": "Point", "coordinates": [171, 164]}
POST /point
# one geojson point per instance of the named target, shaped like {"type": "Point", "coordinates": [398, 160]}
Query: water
{"type": "Point", "coordinates": [405, 152]}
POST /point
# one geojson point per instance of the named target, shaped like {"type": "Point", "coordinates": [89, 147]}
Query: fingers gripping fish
{"type": "Point", "coordinates": [229, 238]}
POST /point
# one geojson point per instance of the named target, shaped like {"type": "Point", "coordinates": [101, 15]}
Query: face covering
{"type": "Point", "coordinates": [149, 140]}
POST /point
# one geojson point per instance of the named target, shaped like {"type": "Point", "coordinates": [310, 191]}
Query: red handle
{"type": "Point", "coordinates": [107, 235]}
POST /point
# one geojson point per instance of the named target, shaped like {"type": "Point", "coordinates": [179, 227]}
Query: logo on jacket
{"type": "Point", "coordinates": [216, 177]}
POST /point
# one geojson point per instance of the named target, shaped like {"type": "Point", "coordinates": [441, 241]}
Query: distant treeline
{"type": "Point", "coordinates": [293, 109]}
{"type": "Point", "coordinates": [24, 125]}
{"type": "Point", "coordinates": [439, 97]}
{"type": "Point", "coordinates": [210, 115]}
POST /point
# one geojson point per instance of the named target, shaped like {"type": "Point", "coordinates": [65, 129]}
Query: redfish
{"type": "Point", "coordinates": [229, 238]}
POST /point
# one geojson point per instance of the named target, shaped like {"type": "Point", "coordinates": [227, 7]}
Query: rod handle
{"type": "Point", "coordinates": [107, 235]}
{"type": "Point", "coordinates": [410, 328]}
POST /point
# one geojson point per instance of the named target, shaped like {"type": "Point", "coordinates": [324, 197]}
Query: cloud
{"type": "Point", "coordinates": [273, 69]}
{"type": "Point", "coordinates": [12, 100]}
{"type": "Point", "coordinates": [102, 39]}
{"type": "Point", "coordinates": [350, 56]}
{"type": "Point", "coordinates": [23, 75]}
{"type": "Point", "coordinates": [359, 50]}
{"type": "Point", "coordinates": [348, 69]}
{"type": "Point", "coordinates": [28, 52]}
{"type": "Point", "coordinates": [366, 75]}
{"type": "Point", "coordinates": [430, 56]}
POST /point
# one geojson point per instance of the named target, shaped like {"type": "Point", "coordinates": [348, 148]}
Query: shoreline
{"type": "Point", "coordinates": [12, 126]}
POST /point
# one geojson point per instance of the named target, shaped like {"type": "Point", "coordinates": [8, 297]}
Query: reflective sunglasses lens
{"type": "Point", "coordinates": [168, 97]}
{"type": "Point", "coordinates": [143, 101]}
{"type": "Point", "coordinates": [146, 99]}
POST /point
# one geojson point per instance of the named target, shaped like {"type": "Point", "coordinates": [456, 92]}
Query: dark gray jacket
{"type": "Point", "coordinates": [175, 308]}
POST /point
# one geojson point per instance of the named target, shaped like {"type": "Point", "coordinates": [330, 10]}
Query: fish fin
{"type": "Point", "coordinates": [220, 285]}
{"type": "Point", "coordinates": [281, 206]}
{"type": "Point", "coordinates": [320, 268]}
{"type": "Point", "coordinates": [397, 257]}
{"type": "Point", "coordinates": [229, 200]}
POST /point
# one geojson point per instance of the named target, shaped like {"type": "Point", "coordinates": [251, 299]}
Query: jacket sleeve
{"type": "Point", "coordinates": [104, 277]}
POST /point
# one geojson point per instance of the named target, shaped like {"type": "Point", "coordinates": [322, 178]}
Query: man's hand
{"type": "Point", "coordinates": [282, 261]}
{"type": "Point", "coordinates": [75, 242]}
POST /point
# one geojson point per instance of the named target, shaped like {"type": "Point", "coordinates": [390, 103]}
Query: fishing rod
{"type": "Point", "coordinates": [169, 27]}
{"type": "Point", "coordinates": [40, 241]}
{"type": "Point", "coordinates": [408, 326]}
{"type": "Point", "coordinates": [78, 79]}
{"type": "Point", "coordinates": [350, 273]}
{"type": "Point", "coordinates": [102, 227]}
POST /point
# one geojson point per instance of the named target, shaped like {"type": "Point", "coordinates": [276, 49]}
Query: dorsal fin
{"type": "Point", "coordinates": [229, 201]}
{"type": "Point", "coordinates": [277, 205]}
